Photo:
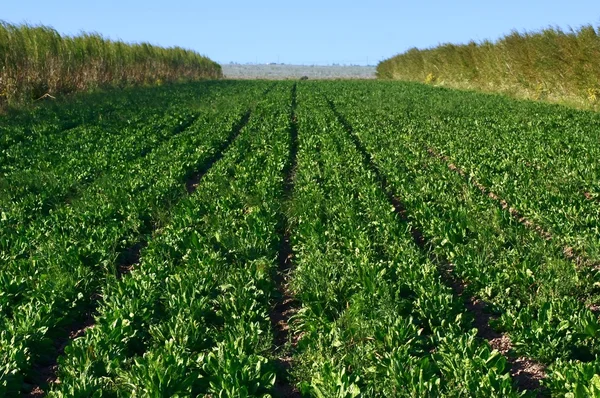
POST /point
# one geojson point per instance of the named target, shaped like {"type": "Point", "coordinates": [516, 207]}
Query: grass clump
{"type": "Point", "coordinates": [551, 64]}
{"type": "Point", "coordinates": [37, 61]}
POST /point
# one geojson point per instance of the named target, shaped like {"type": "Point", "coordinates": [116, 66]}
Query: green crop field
{"type": "Point", "coordinates": [318, 239]}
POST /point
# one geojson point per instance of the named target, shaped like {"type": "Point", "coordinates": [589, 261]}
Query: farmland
{"type": "Point", "coordinates": [323, 239]}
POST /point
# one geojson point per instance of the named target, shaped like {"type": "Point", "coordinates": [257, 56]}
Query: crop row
{"type": "Point", "coordinates": [41, 128]}
{"type": "Point", "coordinates": [532, 292]}
{"type": "Point", "coordinates": [72, 252]}
{"type": "Point", "coordinates": [541, 159]}
{"type": "Point", "coordinates": [375, 318]}
{"type": "Point", "coordinates": [42, 176]}
{"type": "Point", "coordinates": [146, 253]}
{"type": "Point", "coordinates": [192, 317]}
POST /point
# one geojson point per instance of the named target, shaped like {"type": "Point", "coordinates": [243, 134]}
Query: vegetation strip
{"type": "Point", "coordinates": [131, 256]}
{"type": "Point", "coordinates": [43, 172]}
{"type": "Point", "coordinates": [74, 191]}
{"type": "Point", "coordinates": [513, 212]}
{"type": "Point", "coordinates": [44, 129]}
{"type": "Point", "coordinates": [40, 63]}
{"type": "Point", "coordinates": [541, 170]}
{"type": "Point", "coordinates": [32, 193]}
{"type": "Point", "coordinates": [193, 180]}
{"type": "Point", "coordinates": [206, 281]}
{"type": "Point", "coordinates": [375, 318]}
{"type": "Point", "coordinates": [527, 377]}
{"type": "Point", "coordinates": [543, 65]}
{"type": "Point", "coordinates": [399, 207]}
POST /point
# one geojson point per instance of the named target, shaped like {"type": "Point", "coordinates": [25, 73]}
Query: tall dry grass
{"type": "Point", "coordinates": [550, 64]}
{"type": "Point", "coordinates": [37, 60]}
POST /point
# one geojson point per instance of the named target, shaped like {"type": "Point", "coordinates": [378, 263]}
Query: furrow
{"type": "Point", "coordinates": [285, 305]}
{"type": "Point", "coordinates": [194, 178]}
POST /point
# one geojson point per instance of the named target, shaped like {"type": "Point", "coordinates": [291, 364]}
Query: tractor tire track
{"type": "Point", "coordinates": [285, 305]}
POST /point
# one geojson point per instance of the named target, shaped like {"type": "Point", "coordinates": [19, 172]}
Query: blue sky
{"type": "Point", "coordinates": [307, 32]}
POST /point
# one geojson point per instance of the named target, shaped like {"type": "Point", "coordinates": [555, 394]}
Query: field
{"type": "Point", "coordinates": [299, 238]}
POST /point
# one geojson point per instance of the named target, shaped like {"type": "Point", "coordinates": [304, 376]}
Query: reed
{"type": "Point", "coordinates": [37, 60]}
{"type": "Point", "coordinates": [550, 64]}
